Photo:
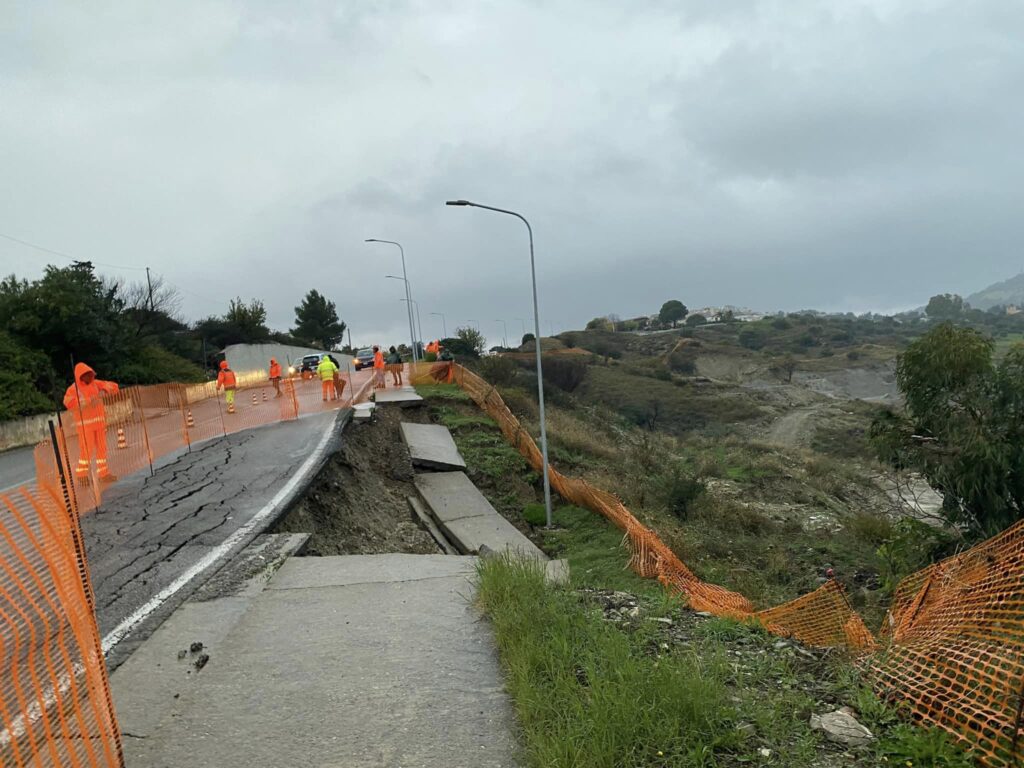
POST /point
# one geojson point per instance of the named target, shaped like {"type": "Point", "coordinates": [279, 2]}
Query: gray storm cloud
{"type": "Point", "coordinates": [775, 154]}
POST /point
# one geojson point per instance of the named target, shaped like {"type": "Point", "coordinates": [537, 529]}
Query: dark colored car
{"type": "Point", "coordinates": [363, 359]}
{"type": "Point", "coordinates": [309, 363]}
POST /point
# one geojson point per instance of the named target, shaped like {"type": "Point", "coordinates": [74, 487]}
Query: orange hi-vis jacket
{"type": "Point", "coordinates": [86, 400]}
{"type": "Point", "coordinates": [275, 370]}
{"type": "Point", "coordinates": [378, 359]}
{"type": "Point", "coordinates": [226, 379]}
{"type": "Point", "coordinates": [433, 347]}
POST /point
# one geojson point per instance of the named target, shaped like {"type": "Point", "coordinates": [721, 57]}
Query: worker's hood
{"type": "Point", "coordinates": [80, 370]}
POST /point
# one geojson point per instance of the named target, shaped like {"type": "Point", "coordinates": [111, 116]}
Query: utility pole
{"type": "Point", "coordinates": [150, 284]}
{"type": "Point", "coordinates": [349, 336]}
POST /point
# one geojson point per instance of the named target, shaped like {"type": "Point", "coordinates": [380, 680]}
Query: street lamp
{"type": "Point", "coordinates": [504, 338]}
{"type": "Point", "coordinates": [522, 323]}
{"type": "Point", "coordinates": [408, 294]}
{"type": "Point", "coordinates": [444, 325]}
{"type": "Point", "coordinates": [540, 372]}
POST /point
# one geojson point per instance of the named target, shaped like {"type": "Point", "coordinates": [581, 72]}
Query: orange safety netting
{"type": "Point", "coordinates": [143, 424]}
{"type": "Point", "coordinates": [951, 650]}
{"type": "Point", "coordinates": [55, 704]}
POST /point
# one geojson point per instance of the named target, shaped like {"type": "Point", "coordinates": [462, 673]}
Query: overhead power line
{"type": "Point", "coordinates": [66, 256]}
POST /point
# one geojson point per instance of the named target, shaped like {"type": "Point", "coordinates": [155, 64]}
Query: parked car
{"type": "Point", "coordinates": [363, 359]}
{"type": "Point", "coordinates": [310, 362]}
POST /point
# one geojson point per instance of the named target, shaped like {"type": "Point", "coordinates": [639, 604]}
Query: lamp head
{"type": "Point", "coordinates": [458, 202]}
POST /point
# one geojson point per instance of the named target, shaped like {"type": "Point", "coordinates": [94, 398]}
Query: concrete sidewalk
{"type": "Point", "coordinates": [354, 661]}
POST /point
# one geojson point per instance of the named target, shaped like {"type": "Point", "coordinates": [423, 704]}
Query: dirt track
{"type": "Point", "coordinates": [793, 429]}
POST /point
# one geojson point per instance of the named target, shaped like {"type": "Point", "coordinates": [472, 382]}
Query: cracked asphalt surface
{"type": "Point", "coordinates": [152, 529]}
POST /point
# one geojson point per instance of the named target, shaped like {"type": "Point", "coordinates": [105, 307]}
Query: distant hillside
{"type": "Point", "coordinates": [1007, 292]}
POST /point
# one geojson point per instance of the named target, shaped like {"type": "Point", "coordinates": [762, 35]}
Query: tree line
{"type": "Point", "coordinates": [132, 333]}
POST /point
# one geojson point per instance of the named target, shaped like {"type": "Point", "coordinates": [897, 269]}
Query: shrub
{"type": "Point", "coordinates": [500, 371]}
{"type": "Point", "coordinates": [872, 528]}
{"type": "Point", "coordinates": [682, 361]}
{"type": "Point", "coordinates": [677, 491]}
{"type": "Point", "coordinates": [564, 372]}
{"type": "Point", "coordinates": [521, 402]}
{"type": "Point", "coordinates": [752, 338]}
{"type": "Point", "coordinates": [911, 546]}
{"type": "Point", "coordinates": [827, 352]}
{"type": "Point", "coordinates": [781, 324]}
{"type": "Point", "coordinates": [853, 354]}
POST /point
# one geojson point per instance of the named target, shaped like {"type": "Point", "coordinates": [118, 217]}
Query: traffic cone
{"type": "Point", "coordinates": [189, 421]}
{"type": "Point", "coordinates": [264, 395]}
{"type": "Point", "coordinates": [254, 400]}
{"type": "Point", "coordinates": [122, 441]}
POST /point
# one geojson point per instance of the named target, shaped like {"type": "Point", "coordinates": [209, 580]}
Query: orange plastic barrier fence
{"type": "Point", "coordinates": [55, 706]}
{"type": "Point", "coordinates": [143, 424]}
{"type": "Point", "coordinates": [952, 649]}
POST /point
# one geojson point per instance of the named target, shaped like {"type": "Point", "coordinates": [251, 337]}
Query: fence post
{"type": "Point", "coordinates": [182, 407]}
{"type": "Point", "coordinates": [137, 399]}
{"type": "Point", "coordinates": [220, 411]}
{"type": "Point", "coordinates": [295, 400]}
{"type": "Point", "coordinates": [67, 489]}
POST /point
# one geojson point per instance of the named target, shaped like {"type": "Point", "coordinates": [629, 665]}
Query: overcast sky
{"type": "Point", "coordinates": [780, 155]}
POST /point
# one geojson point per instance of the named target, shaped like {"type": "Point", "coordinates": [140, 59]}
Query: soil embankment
{"type": "Point", "coordinates": [358, 503]}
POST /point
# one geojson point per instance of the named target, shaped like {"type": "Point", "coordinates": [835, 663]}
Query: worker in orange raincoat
{"type": "Point", "coordinates": [275, 376]}
{"type": "Point", "coordinates": [433, 347]}
{"type": "Point", "coordinates": [84, 399]}
{"type": "Point", "coordinates": [378, 369]}
{"type": "Point", "coordinates": [226, 380]}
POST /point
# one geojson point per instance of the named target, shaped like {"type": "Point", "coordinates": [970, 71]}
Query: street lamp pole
{"type": "Point", "coordinates": [522, 322]}
{"type": "Point", "coordinates": [419, 324]}
{"type": "Point", "coordinates": [408, 293]}
{"type": "Point", "coordinates": [504, 338]}
{"type": "Point", "coordinates": [540, 372]}
{"type": "Point", "coordinates": [444, 325]}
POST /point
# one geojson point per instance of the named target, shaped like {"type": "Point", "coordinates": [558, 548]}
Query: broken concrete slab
{"type": "Point", "coordinates": [400, 395]}
{"type": "Point", "coordinates": [427, 522]}
{"type": "Point", "coordinates": [362, 411]}
{"type": "Point", "coordinates": [148, 685]}
{"type": "Point", "coordinates": [431, 446]}
{"type": "Point", "coordinates": [467, 518]}
{"type": "Point", "coordinates": [352, 661]}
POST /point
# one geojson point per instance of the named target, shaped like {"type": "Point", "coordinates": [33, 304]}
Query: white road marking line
{"type": "Point", "coordinates": [122, 630]}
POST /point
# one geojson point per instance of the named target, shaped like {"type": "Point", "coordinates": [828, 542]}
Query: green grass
{"type": "Point", "coordinates": [586, 694]}
{"type": "Point", "coordinates": [589, 692]}
{"type": "Point", "coordinates": [442, 392]}
{"type": "Point", "coordinates": [593, 547]}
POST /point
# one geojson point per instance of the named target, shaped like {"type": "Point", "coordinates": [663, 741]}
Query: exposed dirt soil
{"type": "Point", "coordinates": [358, 503]}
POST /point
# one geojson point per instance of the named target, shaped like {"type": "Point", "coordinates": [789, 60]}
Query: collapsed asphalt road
{"type": "Point", "coordinates": [156, 538]}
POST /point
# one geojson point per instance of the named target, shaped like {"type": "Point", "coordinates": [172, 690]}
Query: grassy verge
{"type": "Point", "coordinates": [664, 687]}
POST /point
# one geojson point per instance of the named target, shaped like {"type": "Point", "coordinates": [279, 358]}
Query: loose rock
{"type": "Point", "coordinates": [842, 727]}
